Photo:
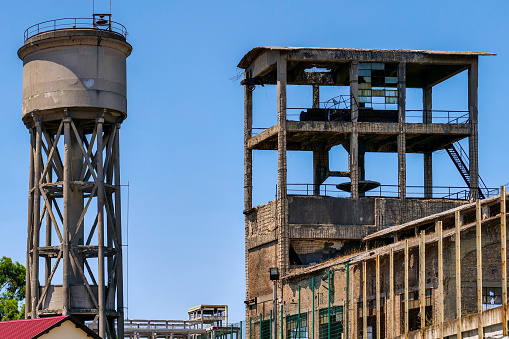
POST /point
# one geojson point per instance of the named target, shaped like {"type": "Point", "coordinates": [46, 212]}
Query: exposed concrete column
{"type": "Point", "coordinates": [75, 202]}
{"type": "Point", "coordinates": [316, 96]}
{"type": "Point", "coordinates": [361, 162]}
{"type": "Point", "coordinates": [49, 226]}
{"type": "Point", "coordinates": [478, 246]}
{"type": "Point", "coordinates": [320, 156]}
{"type": "Point", "coordinates": [354, 163]}
{"type": "Point", "coordinates": [457, 252]}
{"type": "Point", "coordinates": [422, 278]}
{"type": "Point", "coordinates": [427, 105]}
{"type": "Point", "coordinates": [283, 241]}
{"type": "Point", "coordinates": [428, 156]}
{"type": "Point", "coordinates": [65, 225]}
{"type": "Point", "coordinates": [472, 140]}
{"type": "Point", "coordinates": [401, 135]}
{"type": "Point", "coordinates": [503, 257]}
{"type": "Point", "coordinates": [354, 90]}
{"type": "Point", "coordinates": [28, 268]}
{"type": "Point", "coordinates": [248, 174]}
{"type": "Point", "coordinates": [428, 175]}
{"type": "Point", "coordinates": [354, 136]}
{"type": "Point", "coordinates": [248, 153]}
{"type": "Point", "coordinates": [226, 316]}
{"type": "Point", "coordinates": [101, 293]}
{"type": "Point", "coordinates": [361, 168]}
{"type": "Point", "coordinates": [34, 275]}
{"type": "Point", "coordinates": [320, 169]}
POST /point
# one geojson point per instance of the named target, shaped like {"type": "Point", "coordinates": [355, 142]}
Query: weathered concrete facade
{"type": "Point", "coordinates": [308, 224]}
{"type": "Point", "coordinates": [447, 274]}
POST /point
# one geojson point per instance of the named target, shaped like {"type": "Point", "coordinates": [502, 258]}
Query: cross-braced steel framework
{"type": "Point", "coordinates": [74, 200]}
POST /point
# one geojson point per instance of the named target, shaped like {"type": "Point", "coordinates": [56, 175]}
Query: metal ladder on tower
{"type": "Point", "coordinates": [460, 158]}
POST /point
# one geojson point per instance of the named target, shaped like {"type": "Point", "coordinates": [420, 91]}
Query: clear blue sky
{"type": "Point", "coordinates": [182, 144]}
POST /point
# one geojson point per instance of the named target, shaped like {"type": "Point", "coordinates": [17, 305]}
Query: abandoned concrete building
{"type": "Point", "coordinates": [361, 258]}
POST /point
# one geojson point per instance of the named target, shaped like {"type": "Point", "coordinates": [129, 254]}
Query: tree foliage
{"type": "Point", "coordinates": [12, 289]}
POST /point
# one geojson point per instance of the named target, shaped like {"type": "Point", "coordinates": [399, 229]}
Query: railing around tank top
{"type": "Point", "coordinates": [75, 23]}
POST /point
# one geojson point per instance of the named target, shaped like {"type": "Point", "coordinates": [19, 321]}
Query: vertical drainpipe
{"type": "Point", "coordinates": [347, 297]}
{"type": "Point", "coordinates": [260, 334]}
{"type": "Point", "coordinates": [313, 307]}
{"type": "Point", "coordinates": [281, 322]}
{"type": "Point", "coordinates": [328, 307]}
{"type": "Point", "coordinates": [298, 317]}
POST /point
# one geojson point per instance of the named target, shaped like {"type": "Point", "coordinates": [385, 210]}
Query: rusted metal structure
{"type": "Point", "coordinates": [74, 101]}
{"type": "Point", "coordinates": [309, 223]}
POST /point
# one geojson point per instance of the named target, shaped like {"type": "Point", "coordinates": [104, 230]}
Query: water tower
{"type": "Point", "coordinates": [74, 102]}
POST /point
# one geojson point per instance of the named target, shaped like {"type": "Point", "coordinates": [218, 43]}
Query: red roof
{"type": "Point", "coordinates": [34, 328]}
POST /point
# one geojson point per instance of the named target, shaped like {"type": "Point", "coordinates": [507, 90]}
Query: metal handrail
{"type": "Point", "coordinates": [391, 191]}
{"type": "Point", "coordinates": [73, 23]}
{"type": "Point", "coordinates": [453, 116]}
{"type": "Point", "coordinates": [167, 324]}
{"type": "Point", "coordinates": [465, 157]}
{"type": "Point", "coordinates": [438, 116]}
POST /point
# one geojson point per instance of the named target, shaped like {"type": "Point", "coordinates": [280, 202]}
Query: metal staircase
{"type": "Point", "coordinates": [460, 159]}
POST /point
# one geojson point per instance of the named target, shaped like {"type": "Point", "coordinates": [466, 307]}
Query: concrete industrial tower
{"type": "Point", "coordinates": [311, 222]}
{"type": "Point", "coordinates": [74, 101]}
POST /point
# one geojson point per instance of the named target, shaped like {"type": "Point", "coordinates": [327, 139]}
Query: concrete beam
{"type": "Point", "coordinates": [267, 138]}
{"type": "Point", "coordinates": [345, 55]}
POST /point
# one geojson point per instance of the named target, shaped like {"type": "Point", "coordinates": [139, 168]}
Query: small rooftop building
{"type": "Point", "coordinates": [213, 315]}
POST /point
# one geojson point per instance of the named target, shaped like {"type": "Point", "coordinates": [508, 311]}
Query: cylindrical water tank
{"type": "Point", "coordinates": [82, 69]}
